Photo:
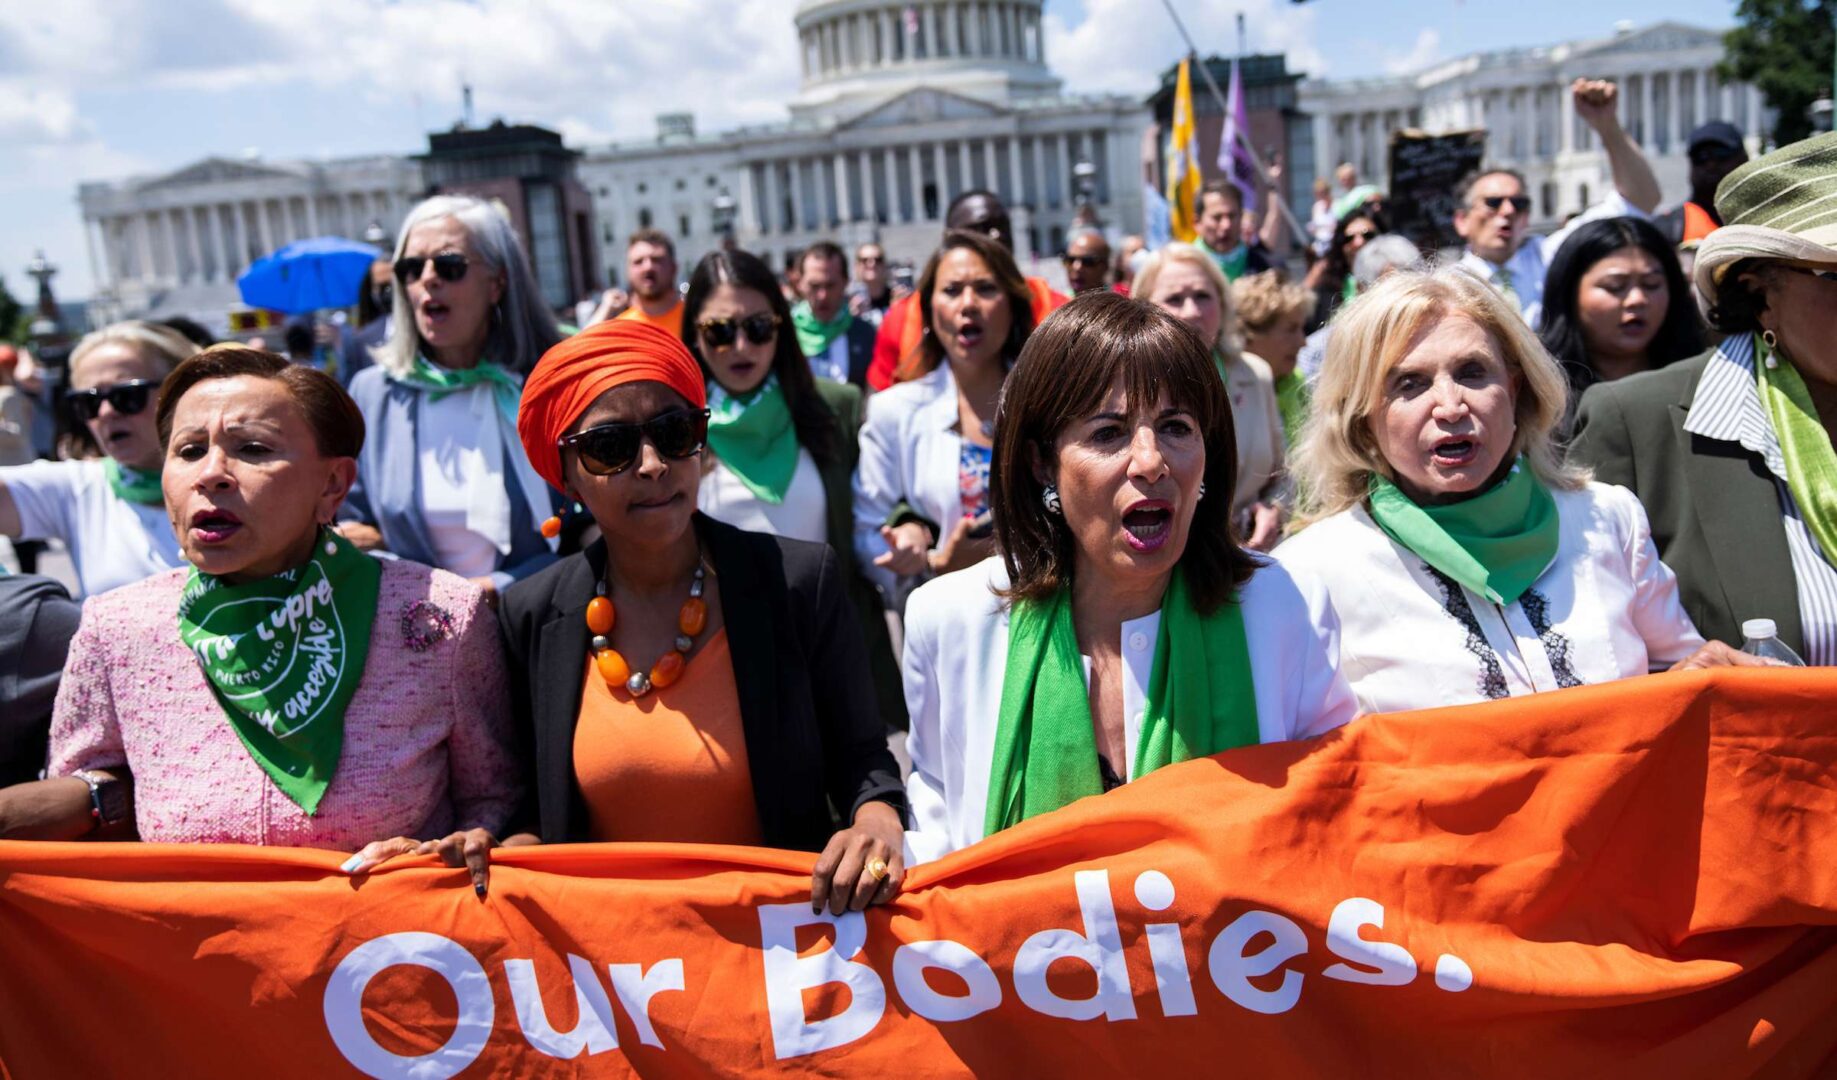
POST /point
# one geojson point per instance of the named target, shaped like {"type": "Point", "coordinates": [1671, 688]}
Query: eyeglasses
{"type": "Point", "coordinates": [1710, 153]}
{"type": "Point", "coordinates": [450, 267]}
{"type": "Point", "coordinates": [128, 398]}
{"type": "Point", "coordinates": [1521, 204]}
{"type": "Point", "coordinates": [1362, 234]}
{"type": "Point", "coordinates": [869, 260]}
{"type": "Point", "coordinates": [1082, 260]}
{"type": "Point", "coordinates": [722, 333]}
{"type": "Point", "coordinates": [612, 448]}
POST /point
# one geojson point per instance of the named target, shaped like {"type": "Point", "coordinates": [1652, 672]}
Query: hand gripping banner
{"type": "Point", "coordinates": [1637, 879]}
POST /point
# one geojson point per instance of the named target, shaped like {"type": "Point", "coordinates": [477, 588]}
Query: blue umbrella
{"type": "Point", "coordinates": [324, 272]}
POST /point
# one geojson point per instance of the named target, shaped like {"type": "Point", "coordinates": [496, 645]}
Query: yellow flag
{"type": "Point", "coordinates": [1183, 160]}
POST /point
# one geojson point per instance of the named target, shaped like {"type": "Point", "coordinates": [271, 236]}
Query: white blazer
{"type": "Point", "coordinates": [956, 657]}
{"type": "Point", "coordinates": [910, 450]}
{"type": "Point", "coordinates": [1607, 608]}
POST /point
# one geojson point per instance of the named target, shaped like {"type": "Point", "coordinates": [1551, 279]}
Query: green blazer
{"type": "Point", "coordinates": [1714, 508]}
{"type": "Point", "coordinates": [845, 401]}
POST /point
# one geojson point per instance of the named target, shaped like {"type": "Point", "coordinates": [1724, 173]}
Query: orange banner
{"type": "Point", "coordinates": [1638, 878]}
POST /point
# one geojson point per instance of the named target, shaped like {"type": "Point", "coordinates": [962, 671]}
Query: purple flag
{"type": "Point", "coordinates": [1234, 157]}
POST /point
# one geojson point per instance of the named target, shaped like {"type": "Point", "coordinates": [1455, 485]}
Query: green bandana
{"type": "Point", "coordinates": [283, 655]}
{"type": "Point", "coordinates": [1811, 465]}
{"type": "Point", "coordinates": [1233, 263]}
{"type": "Point", "coordinates": [814, 336]}
{"type": "Point", "coordinates": [753, 436]}
{"type": "Point", "coordinates": [133, 485]}
{"type": "Point", "coordinates": [1496, 543]}
{"type": "Point", "coordinates": [1292, 400]}
{"type": "Point", "coordinates": [1201, 700]}
{"type": "Point", "coordinates": [439, 382]}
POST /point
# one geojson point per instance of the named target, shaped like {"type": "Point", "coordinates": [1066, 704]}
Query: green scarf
{"type": "Point", "coordinates": [754, 437]}
{"type": "Point", "coordinates": [815, 336]}
{"type": "Point", "coordinates": [1811, 464]}
{"type": "Point", "coordinates": [1201, 700]}
{"type": "Point", "coordinates": [1232, 263]}
{"type": "Point", "coordinates": [1292, 400]}
{"type": "Point", "coordinates": [284, 655]}
{"type": "Point", "coordinates": [439, 382]}
{"type": "Point", "coordinates": [1496, 543]}
{"type": "Point", "coordinates": [132, 485]}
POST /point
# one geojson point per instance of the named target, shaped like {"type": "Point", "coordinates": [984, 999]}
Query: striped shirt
{"type": "Point", "coordinates": [1727, 408]}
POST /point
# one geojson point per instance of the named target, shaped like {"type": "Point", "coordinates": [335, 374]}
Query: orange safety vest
{"type": "Point", "coordinates": [1697, 225]}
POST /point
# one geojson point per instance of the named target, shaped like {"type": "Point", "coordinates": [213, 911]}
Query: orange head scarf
{"type": "Point", "coordinates": [574, 373]}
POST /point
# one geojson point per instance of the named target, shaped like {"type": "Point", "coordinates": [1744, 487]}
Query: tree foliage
{"type": "Point", "coordinates": [1784, 48]}
{"type": "Point", "coordinates": [13, 314]}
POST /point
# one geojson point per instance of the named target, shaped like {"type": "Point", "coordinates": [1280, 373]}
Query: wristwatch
{"type": "Point", "coordinates": [108, 798]}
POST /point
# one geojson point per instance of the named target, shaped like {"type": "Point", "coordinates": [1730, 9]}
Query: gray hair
{"type": "Point", "coordinates": [522, 328]}
{"type": "Point", "coordinates": [1381, 255]}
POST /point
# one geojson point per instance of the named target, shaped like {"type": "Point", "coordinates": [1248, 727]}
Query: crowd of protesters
{"type": "Point", "coordinates": [677, 576]}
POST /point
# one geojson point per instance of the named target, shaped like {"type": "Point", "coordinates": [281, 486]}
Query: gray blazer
{"type": "Point", "coordinates": [1714, 508]}
{"type": "Point", "coordinates": [387, 493]}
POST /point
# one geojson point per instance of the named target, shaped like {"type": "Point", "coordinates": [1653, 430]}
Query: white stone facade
{"type": "Point", "coordinates": [902, 107]}
{"type": "Point", "coordinates": [1668, 86]}
{"type": "Point", "coordinates": [174, 244]}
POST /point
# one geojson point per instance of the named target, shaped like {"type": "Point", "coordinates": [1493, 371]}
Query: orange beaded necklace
{"type": "Point", "coordinates": [669, 667]}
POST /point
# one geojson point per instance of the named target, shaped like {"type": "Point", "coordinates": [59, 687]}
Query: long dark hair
{"type": "Point", "coordinates": [1000, 262]}
{"type": "Point", "coordinates": [1332, 290]}
{"type": "Point", "coordinates": [1680, 336]}
{"type": "Point", "coordinates": [1065, 373]}
{"type": "Point", "coordinates": [810, 416]}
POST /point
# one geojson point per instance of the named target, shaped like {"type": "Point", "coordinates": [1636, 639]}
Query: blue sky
{"type": "Point", "coordinates": [97, 89]}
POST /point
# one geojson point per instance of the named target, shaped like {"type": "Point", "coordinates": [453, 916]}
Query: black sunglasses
{"type": "Point", "coordinates": [128, 398]}
{"type": "Point", "coordinates": [721, 333]}
{"type": "Point", "coordinates": [612, 448]}
{"type": "Point", "coordinates": [1521, 204]}
{"type": "Point", "coordinates": [1082, 260]}
{"type": "Point", "coordinates": [450, 267]}
{"type": "Point", "coordinates": [1710, 153]}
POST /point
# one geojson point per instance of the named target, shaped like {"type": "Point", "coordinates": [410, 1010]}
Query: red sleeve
{"type": "Point", "coordinates": [886, 347]}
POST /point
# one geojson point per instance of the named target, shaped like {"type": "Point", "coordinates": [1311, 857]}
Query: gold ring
{"type": "Point", "coordinates": [878, 868]}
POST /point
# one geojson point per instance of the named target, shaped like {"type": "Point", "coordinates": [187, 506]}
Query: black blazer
{"type": "Point", "coordinates": [1714, 508]}
{"type": "Point", "coordinates": [814, 738]}
{"type": "Point", "coordinates": [861, 337]}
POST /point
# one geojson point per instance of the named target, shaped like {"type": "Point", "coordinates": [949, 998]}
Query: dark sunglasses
{"type": "Point", "coordinates": [128, 398]}
{"type": "Point", "coordinates": [450, 267]}
{"type": "Point", "coordinates": [1362, 234]}
{"type": "Point", "coordinates": [612, 448]}
{"type": "Point", "coordinates": [721, 333]}
{"type": "Point", "coordinates": [1082, 260]}
{"type": "Point", "coordinates": [1714, 152]}
{"type": "Point", "coordinates": [1521, 204]}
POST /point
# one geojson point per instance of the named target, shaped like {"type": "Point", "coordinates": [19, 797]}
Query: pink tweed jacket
{"type": "Point", "coordinates": [427, 736]}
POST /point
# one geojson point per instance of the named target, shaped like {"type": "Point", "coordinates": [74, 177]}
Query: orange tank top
{"type": "Point", "coordinates": [672, 765]}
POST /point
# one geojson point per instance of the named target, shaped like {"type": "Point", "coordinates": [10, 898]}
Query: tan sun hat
{"type": "Point", "coordinates": [1782, 206]}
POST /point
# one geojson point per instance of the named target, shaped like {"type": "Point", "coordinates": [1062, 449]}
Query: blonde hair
{"type": "Point", "coordinates": [1262, 300]}
{"type": "Point", "coordinates": [158, 344]}
{"type": "Point", "coordinates": [1144, 286]}
{"type": "Point", "coordinates": [1337, 455]}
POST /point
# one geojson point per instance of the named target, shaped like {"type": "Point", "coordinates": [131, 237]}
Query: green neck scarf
{"type": "Point", "coordinates": [1497, 543]}
{"type": "Point", "coordinates": [284, 655]}
{"type": "Point", "coordinates": [754, 437]}
{"type": "Point", "coordinates": [133, 485]}
{"type": "Point", "coordinates": [1349, 290]}
{"type": "Point", "coordinates": [439, 382]}
{"type": "Point", "coordinates": [1292, 399]}
{"type": "Point", "coordinates": [814, 336]}
{"type": "Point", "coordinates": [1233, 263]}
{"type": "Point", "coordinates": [1201, 700]}
{"type": "Point", "coordinates": [1811, 464]}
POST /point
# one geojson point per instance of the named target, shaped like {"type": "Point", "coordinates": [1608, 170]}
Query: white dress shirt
{"type": "Point", "coordinates": [803, 515]}
{"type": "Point", "coordinates": [1606, 609]}
{"type": "Point", "coordinates": [1528, 265]}
{"type": "Point", "coordinates": [910, 450]}
{"type": "Point", "coordinates": [956, 659]}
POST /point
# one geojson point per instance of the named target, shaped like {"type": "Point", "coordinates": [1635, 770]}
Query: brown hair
{"type": "Point", "coordinates": [1000, 261]}
{"type": "Point", "coordinates": [652, 236]}
{"type": "Point", "coordinates": [1064, 374]}
{"type": "Point", "coordinates": [1224, 189]}
{"type": "Point", "coordinates": [338, 425]}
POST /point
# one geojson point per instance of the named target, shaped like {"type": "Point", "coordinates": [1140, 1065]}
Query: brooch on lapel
{"type": "Point", "coordinates": [424, 625]}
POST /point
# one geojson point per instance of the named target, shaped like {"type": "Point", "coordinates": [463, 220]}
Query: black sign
{"type": "Point", "coordinates": [1425, 170]}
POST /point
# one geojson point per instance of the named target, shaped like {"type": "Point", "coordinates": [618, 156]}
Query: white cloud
{"type": "Point", "coordinates": [1426, 51]}
{"type": "Point", "coordinates": [1123, 46]}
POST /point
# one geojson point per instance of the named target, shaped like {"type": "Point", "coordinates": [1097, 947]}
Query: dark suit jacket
{"type": "Point", "coordinates": [861, 336]}
{"type": "Point", "coordinates": [1714, 508]}
{"type": "Point", "coordinates": [813, 737]}
{"type": "Point", "coordinates": [37, 621]}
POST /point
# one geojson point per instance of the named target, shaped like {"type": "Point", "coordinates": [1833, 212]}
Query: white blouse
{"type": "Point", "coordinates": [112, 542]}
{"type": "Point", "coordinates": [452, 445]}
{"type": "Point", "coordinates": [910, 450]}
{"type": "Point", "coordinates": [802, 516]}
{"type": "Point", "coordinates": [1410, 638]}
{"type": "Point", "coordinates": [955, 662]}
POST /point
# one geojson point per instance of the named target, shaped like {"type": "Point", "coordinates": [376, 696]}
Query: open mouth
{"type": "Point", "coordinates": [433, 309]}
{"type": "Point", "coordinates": [214, 526]}
{"type": "Point", "coordinates": [1454, 453]}
{"type": "Point", "coordinates": [969, 335]}
{"type": "Point", "coordinates": [1147, 525]}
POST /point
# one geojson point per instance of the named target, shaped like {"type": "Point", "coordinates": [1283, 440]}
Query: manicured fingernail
{"type": "Point", "coordinates": [351, 864]}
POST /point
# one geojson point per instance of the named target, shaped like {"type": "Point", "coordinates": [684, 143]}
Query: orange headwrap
{"type": "Point", "coordinates": [570, 376]}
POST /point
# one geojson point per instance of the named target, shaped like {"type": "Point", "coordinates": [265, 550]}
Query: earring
{"type": "Point", "coordinates": [1202, 489]}
{"type": "Point", "coordinates": [331, 545]}
{"type": "Point", "coordinates": [1772, 342]}
{"type": "Point", "coordinates": [1051, 498]}
{"type": "Point", "coordinates": [551, 528]}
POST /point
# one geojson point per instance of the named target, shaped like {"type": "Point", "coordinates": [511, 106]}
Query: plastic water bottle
{"type": "Point", "coordinates": [1760, 637]}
